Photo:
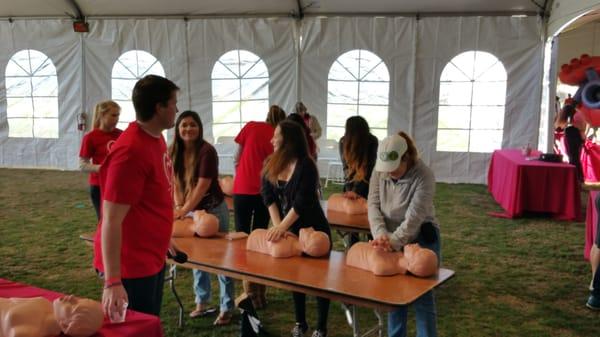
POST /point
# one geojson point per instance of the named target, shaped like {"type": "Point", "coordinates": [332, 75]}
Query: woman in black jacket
{"type": "Point", "coordinates": [289, 190]}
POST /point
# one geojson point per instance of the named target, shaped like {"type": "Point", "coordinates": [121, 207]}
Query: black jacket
{"type": "Point", "coordinates": [300, 192]}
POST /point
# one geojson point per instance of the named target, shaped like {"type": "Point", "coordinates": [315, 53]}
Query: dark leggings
{"type": "Point", "coordinates": [145, 293]}
{"type": "Point", "coordinates": [300, 308]}
{"type": "Point", "coordinates": [246, 206]}
{"type": "Point", "coordinates": [574, 143]}
{"type": "Point", "coordinates": [95, 196]}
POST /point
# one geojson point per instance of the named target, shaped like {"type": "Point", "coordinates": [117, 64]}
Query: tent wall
{"type": "Point", "coordinates": [517, 43]}
{"type": "Point", "coordinates": [415, 52]}
{"type": "Point", "coordinates": [56, 39]}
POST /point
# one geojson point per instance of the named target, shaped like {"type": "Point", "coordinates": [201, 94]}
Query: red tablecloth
{"type": "Point", "coordinates": [135, 325]}
{"type": "Point", "coordinates": [521, 185]}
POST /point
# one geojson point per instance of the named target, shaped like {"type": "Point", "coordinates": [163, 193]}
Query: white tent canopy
{"type": "Point", "coordinates": [188, 38]}
{"type": "Point", "coordinates": [20, 8]}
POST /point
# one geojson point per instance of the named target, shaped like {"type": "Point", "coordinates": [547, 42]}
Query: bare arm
{"type": "Point", "coordinates": [177, 196]}
{"type": "Point", "coordinates": [85, 165]}
{"type": "Point", "coordinates": [197, 194]}
{"type": "Point", "coordinates": [280, 227]}
{"type": "Point", "coordinates": [112, 220]}
{"type": "Point", "coordinates": [115, 295]}
{"type": "Point", "coordinates": [274, 213]}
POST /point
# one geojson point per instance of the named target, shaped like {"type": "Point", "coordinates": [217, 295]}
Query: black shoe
{"type": "Point", "coordinates": [593, 303]}
{"type": "Point", "coordinates": [319, 333]}
{"type": "Point", "coordinates": [299, 330]}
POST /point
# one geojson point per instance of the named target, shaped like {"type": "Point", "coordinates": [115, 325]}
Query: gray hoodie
{"type": "Point", "coordinates": [398, 209]}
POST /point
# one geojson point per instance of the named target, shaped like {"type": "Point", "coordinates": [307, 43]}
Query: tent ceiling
{"type": "Point", "coordinates": [51, 8]}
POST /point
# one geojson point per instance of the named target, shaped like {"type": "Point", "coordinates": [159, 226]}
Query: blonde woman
{"type": "Point", "coordinates": [96, 144]}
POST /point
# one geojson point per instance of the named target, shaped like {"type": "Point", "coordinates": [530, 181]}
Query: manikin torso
{"type": "Point", "coordinates": [27, 317]}
{"type": "Point", "coordinates": [337, 202]}
{"type": "Point", "coordinates": [202, 224]}
{"type": "Point", "coordinates": [419, 261]}
{"type": "Point", "coordinates": [311, 242]}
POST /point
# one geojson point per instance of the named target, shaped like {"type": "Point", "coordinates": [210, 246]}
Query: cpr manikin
{"type": "Point", "coordinates": [416, 260]}
{"type": "Point", "coordinates": [337, 202]}
{"type": "Point", "coordinates": [311, 242]}
{"type": "Point", "coordinates": [226, 184]}
{"type": "Point", "coordinates": [201, 223]}
{"type": "Point", "coordinates": [38, 317]}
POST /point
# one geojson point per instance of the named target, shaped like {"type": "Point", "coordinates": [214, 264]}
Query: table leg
{"type": "Point", "coordinates": [171, 278]}
{"type": "Point", "coordinates": [344, 234]}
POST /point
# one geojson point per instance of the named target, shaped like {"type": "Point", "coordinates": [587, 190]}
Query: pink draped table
{"type": "Point", "coordinates": [136, 324]}
{"type": "Point", "coordinates": [520, 185]}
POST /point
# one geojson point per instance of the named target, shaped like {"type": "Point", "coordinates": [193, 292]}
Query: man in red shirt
{"type": "Point", "coordinates": [137, 211]}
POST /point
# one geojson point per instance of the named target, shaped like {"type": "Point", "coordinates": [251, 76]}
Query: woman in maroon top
{"type": "Point", "coordinates": [96, 145]}
{"type": "Point", "coordinates": [196, 185]}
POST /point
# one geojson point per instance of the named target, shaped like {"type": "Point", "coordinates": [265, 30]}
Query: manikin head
{"type": "Point", "coordinates": [314, 243]}
{"type": "Point", "coordinates": [205, 224]}
{"type": "Point", "coordinates": [422, 262]}
{"type": "Point", "coordinates": [78, 317]}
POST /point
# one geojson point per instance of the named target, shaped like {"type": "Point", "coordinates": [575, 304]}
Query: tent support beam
{"type": "Point", "coordinates": [283, 15]}
{"type": "Point", "coordinates": [75, 5]}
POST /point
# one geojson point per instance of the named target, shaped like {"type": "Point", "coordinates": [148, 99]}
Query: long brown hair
{"type": "Point", "coordinates": [293, 146]}
{"type": "Point", "coordinates": [102, 109]}
{"type": "Point", "coordinates": [275, 115]}
{"type": "Point", "coordinates": [185, 177]}
{"type": "Point", "coordinates": [356, 150]}
{"type": "Point", "coordinates": [411, 155]}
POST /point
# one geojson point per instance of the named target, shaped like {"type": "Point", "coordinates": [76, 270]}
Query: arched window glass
{"type": "Point", "coordinates": [127, 70]}
{"type": "Point", "coordinates": [358, 84]}
{"type": "Point", "coordinates": [240, 92]}
{"type": "Point", "coordinates": [471, 104]}
{"type": "Point", "coordinates": [31, 95]}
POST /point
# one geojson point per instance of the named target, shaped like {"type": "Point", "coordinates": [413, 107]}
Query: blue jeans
{"type": "Point", "coordinates": [424, 306]}
{"type": "Point", "coordinates": [202, 279]}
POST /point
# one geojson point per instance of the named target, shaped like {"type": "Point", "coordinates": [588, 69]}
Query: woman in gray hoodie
{"type": "Point", "coordinates": [401, 211]}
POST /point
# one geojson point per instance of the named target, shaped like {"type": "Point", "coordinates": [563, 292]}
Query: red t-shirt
{"type": "Point", "coordinates": [96, 145]}
{"type": "Point", "coordinates": [138, 172]}
{"type": "Point", "coordinates": [255, 139]}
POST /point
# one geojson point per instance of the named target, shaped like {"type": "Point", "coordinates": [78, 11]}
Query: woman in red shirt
{"type": "Point", "coordinates": [96, 144]}
{"type": "Point", "coordinates": [254, 145]}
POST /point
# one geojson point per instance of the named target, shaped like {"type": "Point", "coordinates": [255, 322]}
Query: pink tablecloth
{"type": "Point", "coordinates": [521, 185]}
{"type": "Point", "coordinates": [135, 325]}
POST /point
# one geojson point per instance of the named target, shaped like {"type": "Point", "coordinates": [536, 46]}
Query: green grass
{"type": "Point", "coordinates": [523, 277]}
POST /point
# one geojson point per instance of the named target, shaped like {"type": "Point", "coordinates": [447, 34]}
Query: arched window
{"type": "Point", "coordinates": [240, 92]}
{"type": "Point", "coordinates": [31, 95]}
{"type": "Point", "coordinates": [127, 70]}
{"type": "Point", "coordinates": [358, 84]}
{"type": "Point", "coordinates": [471, 105]}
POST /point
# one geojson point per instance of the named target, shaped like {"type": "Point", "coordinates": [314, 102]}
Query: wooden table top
{"type": "Point", "coordinates": [346, 222]}
{"type": "Point", "coordinates": [329, 278]}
